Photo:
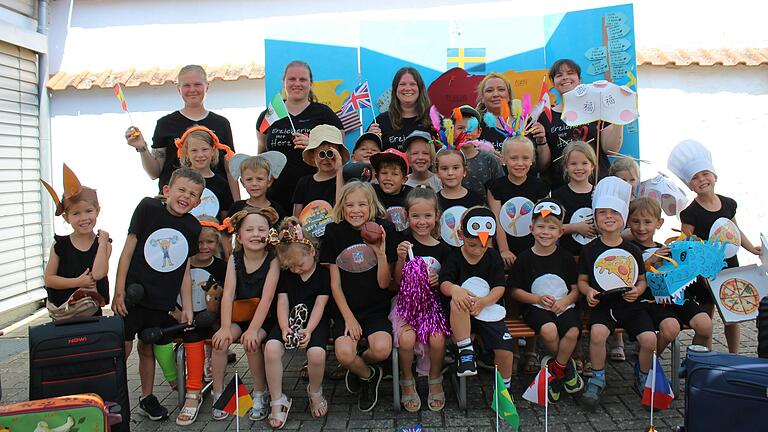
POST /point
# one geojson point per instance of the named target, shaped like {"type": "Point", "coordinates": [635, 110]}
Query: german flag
{"type": "Point", "coordinates": [235, 404]}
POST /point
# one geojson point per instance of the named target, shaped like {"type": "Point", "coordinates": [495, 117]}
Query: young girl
{"type": "Point", "coordinates": [81, 259]}
{"type": "Point", "coordinates": [708, 216]}
{"type": "Point", "coordinates": [421, 157]}
{"type": "Point", "coordinates": [303, 283]}
{"type": "Point", "coordinates": [452, 168]}
{"type": "Point", "coordinates": [205, 268]}
{"type": "Point", "coordinates": [360, 281]}
{"type": "Point", "coordinates": [256, 174]}
{"type": "Point", "coordinates": [423, 240]}
{"type": "Point", "coordinates": [627, 170]}
{"type": "Point", "coordinates": [252, 274]}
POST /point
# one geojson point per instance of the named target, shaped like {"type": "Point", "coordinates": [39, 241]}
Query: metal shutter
{"type": "Point", "coordinates": [21, 238]}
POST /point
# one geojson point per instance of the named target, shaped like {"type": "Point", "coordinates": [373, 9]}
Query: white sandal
{"type": "Point", "coordinates": [281, 416]}
{"type": "Point", "coordinates": [218, 414]}
{"type": "Point", "coordinates": [322, 405]}
{"type": "Point", "coordinates": [189, 412]}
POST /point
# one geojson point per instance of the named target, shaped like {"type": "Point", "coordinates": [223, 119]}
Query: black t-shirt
{"type": "Point", "coordinates": [239, 205]}
{"type": "Point", "coordinates": [552, 274]}
{"type": "Point", "coordinates": [358, 266]}
{"type": "Point", "coordinates": [72, 263]}
{"type": "Point", "coordinates": [559, 135]}
{"type": "Point", "coordinates": [577, 206]}
{"type": "Point", "coordinates": [306, 292]}
{"type": "Point", "coordinates": [318, 199]}
{"type": "Point", "coordinates": [216, 198]}
{"type": "Point", "coordinates": [610, 267]}
{"type": "Point", "coordinates": [395, 206]}
{"type": "Point", "coordinates": [164, 242]}
{"type": "Point", "coordinates": [450, 221]}
{"type": "Point", "coordinates": [250, 285]}
{"type": "Point", "coordinates": [280, 138]}
{"type": "Point", "coordinates": [469, 200]}
{"type": "Point", "coordinates": [704, 221]}
{"type": "Point", "coordinates": [394, 138]}
{"type": "Point", "coordinates": [493, 136]}
{"type": "Point", "coordinates": [490, 268]}
{"type": "Point", "coordinates": [435, 256]}
{"type": "Point", "coordinates": [173, 126]}
{"type": "Point", "coordinates": [517, 203]}
{"type": "Point", "coordinates": [647, 250]}
{"type": "Point", "coordinates": [216, 271]}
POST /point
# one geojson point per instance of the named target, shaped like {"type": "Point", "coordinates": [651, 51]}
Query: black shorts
{"type": "Point", "coordinates": [267, 325]}
{"type": "Point", "coordinates": [699, 292]}
{"type": "Point", "coordinates": [140, 318]}
{"type": "Point", "coordinates": [632, 317]}
{"type": "Point", "coordinates": [494, 335]}
{"type": "Point", "coordinates": [370, 326]}
{"type": "Point", "coordinates": [683, 314]}
{"type": "Point", "coordinates": [197, 334]}
{"type": "Point", "coordinates": [319, 337]}
{"type": "Point", "coordinates": [536, 318]}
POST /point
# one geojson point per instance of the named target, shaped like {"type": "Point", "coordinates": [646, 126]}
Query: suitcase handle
{"type": "Point", "coordinates": [76, 321]}
{"type": "Point", "coordinates": [750, 384]}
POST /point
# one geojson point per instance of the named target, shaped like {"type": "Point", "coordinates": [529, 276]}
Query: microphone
{"type": "Point", "coordinates": [154, 334]}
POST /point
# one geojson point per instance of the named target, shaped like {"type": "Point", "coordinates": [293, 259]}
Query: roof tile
{"type": "Point", "coordinates": [703, 57]}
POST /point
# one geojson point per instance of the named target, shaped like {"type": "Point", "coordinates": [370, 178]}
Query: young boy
{"type": "Point", "coordinates": [161, 239]}
{"type": "Point", "coordinates": [544, 277]}
{"type": "Point", "coordinates": [644, 220]}
{"type": "Point", "coordinates": [477, 262]}
{"type": "Point", "coordinates": [256, 174]}
{"type": "Point", "coordinates": [606, 265]}
{"type": "Point", "coordinates": [708, 215]}
{"type": "Point", "coordinates": [366, 146]}
{"type": "Point", "coordinates": [482, 166]}
{"type": "Point", "coordinates": [391, 168]}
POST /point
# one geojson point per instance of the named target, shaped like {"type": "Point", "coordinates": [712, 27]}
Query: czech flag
{"type": "Point", "coordinates": [235, 403]}
{"type": "Point", "coordinates": [537, 391]}
{"type": "Point", "coordinates": [658, 386]}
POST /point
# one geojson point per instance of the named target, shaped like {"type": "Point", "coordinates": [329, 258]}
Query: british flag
{"type": "Point", "coordinates": [360, 98]}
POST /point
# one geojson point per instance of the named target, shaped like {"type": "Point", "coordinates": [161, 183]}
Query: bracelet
{"type": "Point", "coordinates": [538, 144]}
{"type": "Point", "coordinates": [142, 150]}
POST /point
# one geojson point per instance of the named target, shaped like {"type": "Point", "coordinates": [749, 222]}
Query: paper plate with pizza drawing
{"type": "Point", "coordinates": [726, 231]}
{"type": "Point", "coordinates": [615, 268]}
{"type": "Point", "coordinates": [737, 292]}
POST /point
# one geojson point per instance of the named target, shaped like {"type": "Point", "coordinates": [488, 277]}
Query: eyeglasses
{"type": "Point", "coordinates": [325, 154]}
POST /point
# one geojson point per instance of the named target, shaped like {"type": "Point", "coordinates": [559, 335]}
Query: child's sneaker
{"type": "Point", "coordinates": [591, 396]}
{"type": "Point", "coordinates": [639, 385]}
{"type": "Point", "coordinates": [466, 363]}
{"type": "Point", "coordinates": [150, 407]}
{"type": "Point", "coordinates": [554, 389]}
{"type": "Point", "coordinates": [369, 390]}
{"type": "Point", "coordinates": [352, 382]}
{"type": "Point", "coordinates": [572, 382]}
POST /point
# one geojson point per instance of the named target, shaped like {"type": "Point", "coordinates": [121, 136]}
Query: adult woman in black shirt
{"type": "Point", "coordinates": [305, 113]}
{"type": "Point", "coordinates": [192, 84]}
{"type": "Point", "coordinates": [408, 110]}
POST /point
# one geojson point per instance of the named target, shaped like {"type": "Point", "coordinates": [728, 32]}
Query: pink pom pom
{"type": "Point", "coordinates": [418, 304]}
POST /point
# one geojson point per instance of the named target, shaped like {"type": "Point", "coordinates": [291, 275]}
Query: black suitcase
{"type": "Point", "coordinates": [762, 328]}
{"type": "Point", "coordinates": [724, 392]}
{"type": "Point", "coordinates": [80, 356]}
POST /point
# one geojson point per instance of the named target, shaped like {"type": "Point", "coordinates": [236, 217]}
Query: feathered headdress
{"type": "Point", "coordinates": [73, 192]}
{"type": "Point", "coordinates": [512, 123]}
{"type": "Point", "coordinates": [445, 134]}
{"type": "Point", "coordinates": [216, 143]}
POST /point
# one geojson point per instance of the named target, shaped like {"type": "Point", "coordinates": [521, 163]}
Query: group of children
{"type": "Point", "coordinates": [488, 237]}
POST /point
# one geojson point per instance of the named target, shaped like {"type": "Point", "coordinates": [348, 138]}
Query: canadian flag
{"type": "Point", "coordinates": [537, 391]}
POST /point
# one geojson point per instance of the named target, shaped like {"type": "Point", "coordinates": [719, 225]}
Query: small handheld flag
{"type": "Point", "coordinates": [502, 404]}
{"type": "Point", "coordinates": [237, 403]}
{"type": "Point", "coordinates": [537, 391]}
{"type": "Point", "coordinates": [276, 110]}
{"type": "Point", "coordinates": [123, 104]}
{"type": "Point", "coordinates": [657, 392]}
{"type": "Point", "coordinates": [360, 98]}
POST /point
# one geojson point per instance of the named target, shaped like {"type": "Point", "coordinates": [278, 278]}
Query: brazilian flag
{"type": "Point", "coordinates": [502, 403]}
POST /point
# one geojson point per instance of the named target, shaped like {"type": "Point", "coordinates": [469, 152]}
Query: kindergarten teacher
{"type": "Point", "coordinates": [290, 135]}
{"type": "Point", "coordinates": [408, 110]}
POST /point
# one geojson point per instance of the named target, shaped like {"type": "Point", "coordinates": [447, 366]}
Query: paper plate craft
{"type": "Point", "coordinates": [737, 292]}
{"type": "Point", "coordinates": [315, 216]}
{"type": "Point", "coordinates": [601, 100]}
{"type": "Point", "coordinates": [662, 189]}
{"type": "Point", "coordinates": [764, 250]}
{"type": "Point", "coordinates": [72, 189]}
{"type": "Point", "coordinates": [688, 260]}
{"type": "Point", "coordinates": [615, 268]}
{"type": "Point", "coordinates": [433, 265]}
{"type": "Point", "coordinates": [480, 288]}
{"type": "Point", "coordinates": [209, 205]}
{"type": "Point", "coordinates": [450, 223]}
{"type": "Point", "coordinates": [550, 284]}
{"type": "Point", "coordinates": [581, 215]}
{"type": "Point", "coordinates": [516, 215]}
{"type": "Point", "coordinates": [724, 230]}
{"type": "Point", "coordinates": [358, 258]}
{"type": "Point", "coordinates": [275, 159]}
{"type": "Point", "coordinates": [399, 217]}
{"type": "Point", "coordinates": [479, 223]}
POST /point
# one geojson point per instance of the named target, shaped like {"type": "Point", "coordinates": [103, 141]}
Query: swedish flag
{"type": "Point", "coordinates": [469, 59]}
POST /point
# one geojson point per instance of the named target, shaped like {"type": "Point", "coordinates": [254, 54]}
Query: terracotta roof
{"type": "Point", "coordinates": [154, 77]}
{"type": "Point", "coordinates": [702, 57]}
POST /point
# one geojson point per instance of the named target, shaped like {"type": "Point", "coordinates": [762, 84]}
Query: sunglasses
{"type": "Point", "coordinates": [325, 154]}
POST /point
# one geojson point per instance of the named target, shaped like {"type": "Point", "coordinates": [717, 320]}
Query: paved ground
{"type": "Point", "coordinates": [620, 407]}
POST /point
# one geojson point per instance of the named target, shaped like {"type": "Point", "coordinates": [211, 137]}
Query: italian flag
{"type": "Point", "coordinates": [276, 110]}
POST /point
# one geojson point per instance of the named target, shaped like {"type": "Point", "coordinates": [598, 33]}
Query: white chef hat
{"type": "Point", "coordinates": [612, 193]}
{"type": "Point", "coordinates": [688, 158]}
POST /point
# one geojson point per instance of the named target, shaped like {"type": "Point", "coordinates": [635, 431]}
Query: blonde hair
{"type": "Point", "coordinates": [624, 164]}
{"type": "Point", "coordinates": [191, 68]}
{"type": "Point", "coordinates": [518, 139]}
{"type": "Point", "coordinates": [268, 213]}
{"type": "Point", "coordinates": [645, 205]}
{"type": "Point", "coordinates": [376, 209]}
{"type": "Point", "coordinates": [583, 148]}
{"type": "Point", "coordinates": [298, 63]}
{"type": "Point", "coordinates": [200, 136]}
{"type": "Point", "coordinates": [430, 148]}
{"type": "Point", "coordinates": [288, 252]}
{"type": "Point", "coordinates": [209, 229]}
{"type": "Point", "coordinates": [481, 108]}
{"type": "Point", "coordinates": [254, 163]}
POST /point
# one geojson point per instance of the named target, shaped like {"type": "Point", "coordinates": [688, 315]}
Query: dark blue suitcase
{"type": "Point", "coordinates": [725, 392]}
